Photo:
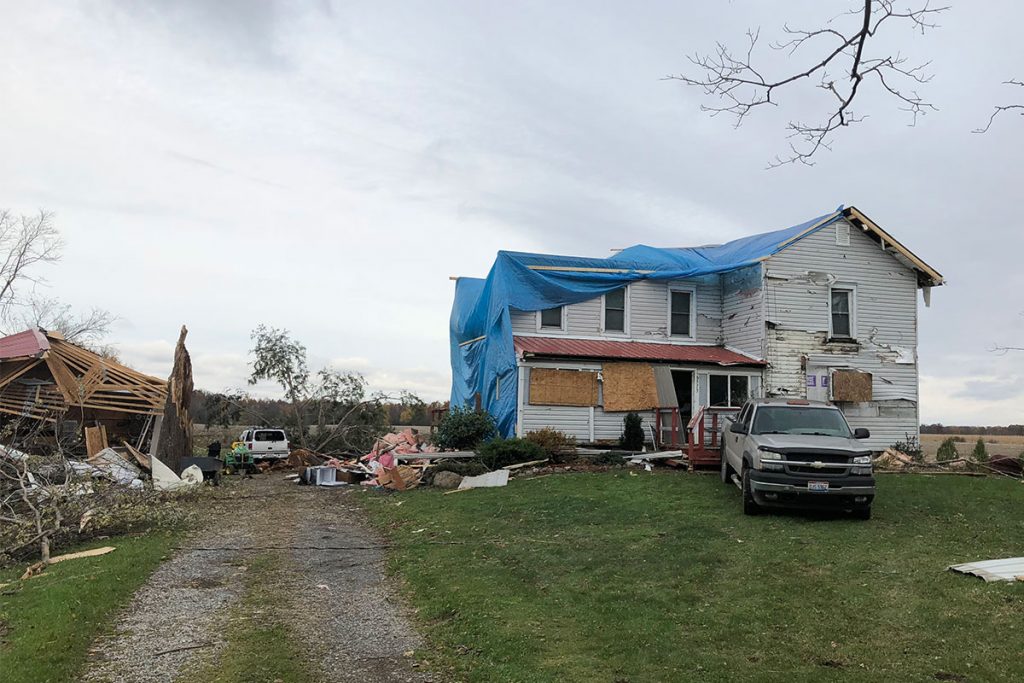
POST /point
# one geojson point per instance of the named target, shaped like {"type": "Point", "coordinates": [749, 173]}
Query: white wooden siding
{"type": "Point", "coordinates": [796, 296]}
{"type": "Point", "coordinates": [648, 314]}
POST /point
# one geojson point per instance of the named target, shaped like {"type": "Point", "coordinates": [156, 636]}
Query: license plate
{"type": "Point", "coordinates": [817, 486]}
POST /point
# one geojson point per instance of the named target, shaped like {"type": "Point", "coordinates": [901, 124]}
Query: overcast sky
{"type": "Point", "coordinates": [325, 166]}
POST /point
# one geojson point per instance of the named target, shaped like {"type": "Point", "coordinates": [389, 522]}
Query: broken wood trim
{"type": "Point", "coordinates": [473, 341]}
{"type": "Point", "coordinates": [581, 269]}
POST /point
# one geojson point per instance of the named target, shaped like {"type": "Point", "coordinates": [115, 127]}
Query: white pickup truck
{"type": "Point", "coordinates": [797, 453]}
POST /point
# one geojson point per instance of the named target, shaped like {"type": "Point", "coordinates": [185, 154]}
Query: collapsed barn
{"type": "Point", "coordinates": [53, 390]}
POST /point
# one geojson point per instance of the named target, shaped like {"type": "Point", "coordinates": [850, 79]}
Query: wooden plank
{"type": "Point", "coordinates": [66, 381]}
{"type": "Point", "coordinates": [629, 387]}
{"type": "Point", "coordinates": [579, 269]}
{"type": "Point", "coordinates": [851, 385]}
{"type": "Point", "coordinates": [95, 440]}
{"type": "Point", "coordinates": [139, 456]}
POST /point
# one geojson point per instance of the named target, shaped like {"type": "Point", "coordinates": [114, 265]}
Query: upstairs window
{"type": "Point", "coordinates": [551, 318]}
{"type": "Point", "coordinates": [615, 311]}
{"type": "Point", "coordinates": [680, 317]}
{"type": "Point", "coordinates": [841, 309]}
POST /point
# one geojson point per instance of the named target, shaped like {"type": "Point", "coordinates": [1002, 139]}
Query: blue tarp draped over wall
{"type": "Point", "coordinates": [482, 350]}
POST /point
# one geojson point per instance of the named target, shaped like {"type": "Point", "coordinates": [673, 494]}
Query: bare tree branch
{"type": "Point", "coordinates": [999, 109]}
{"type": "Point", "coordinates": [25, 242]}
{"type": "Point", "coordinates": [741, 87]}
{"type": "Point", "coordinates": [50, 314]}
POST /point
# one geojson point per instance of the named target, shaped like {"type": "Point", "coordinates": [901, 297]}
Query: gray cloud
{"type": "Point", "coordinates": [992, 390]}
{"type": "Point", "coordinates": [332, 164]}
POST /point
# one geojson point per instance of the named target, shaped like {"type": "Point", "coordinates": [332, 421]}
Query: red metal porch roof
{"type": "Point", "coordinates": [629, 350]}
{"type": "Point", "coordinates": [31, 342]}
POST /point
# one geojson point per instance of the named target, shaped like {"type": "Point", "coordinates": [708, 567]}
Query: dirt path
{"type": "Point", "coordinates": [328, 572]}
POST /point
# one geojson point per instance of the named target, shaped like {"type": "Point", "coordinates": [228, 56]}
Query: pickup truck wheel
{"type": "Point", "coordinates": [750, 506]}
{"type": "Point", "coordinates": [862, 513]}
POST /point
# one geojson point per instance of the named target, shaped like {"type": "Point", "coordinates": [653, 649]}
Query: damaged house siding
{"type": "Point", "coordinates": [743, 310]}
{"type": "Point", "coordinates": [797, 310]}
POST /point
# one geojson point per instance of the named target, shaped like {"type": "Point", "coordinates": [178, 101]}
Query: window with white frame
{"type": "Point", "coordinates": [680, 312]}
{"type": "Point", "coordinates": [842, 312]}
{"type": "Point", "coordinates": [551, 318]}
{"type": "Point", "coordinates": [615, 311]}
{"type": "Point", "coordinates": [728, 391]}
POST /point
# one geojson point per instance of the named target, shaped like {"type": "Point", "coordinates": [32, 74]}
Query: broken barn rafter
{"type": "Point", "coordinates": [75, 378]}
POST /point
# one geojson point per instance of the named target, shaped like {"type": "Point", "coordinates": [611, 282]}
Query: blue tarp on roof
{"type": "Point", "coordinates": [482, 353]}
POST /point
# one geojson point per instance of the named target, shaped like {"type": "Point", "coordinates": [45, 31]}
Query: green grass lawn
{"type": "Point", "coordinates": [47, 623]}
{"type": "Point", "coordinates": [614, 577]}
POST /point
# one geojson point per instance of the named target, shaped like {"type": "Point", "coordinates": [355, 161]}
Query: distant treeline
{"type": "Point", "coordinates": [208, 407]}
{"type": "Point", "coordinates": [938, 428]}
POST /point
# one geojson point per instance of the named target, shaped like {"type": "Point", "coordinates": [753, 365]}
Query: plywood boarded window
{"type": "Point", "coordinates": [629, 386]}
{"type": "Point", "coordinates": [550, 387]}
{"type": "Point", "coordinates": [850, 385]}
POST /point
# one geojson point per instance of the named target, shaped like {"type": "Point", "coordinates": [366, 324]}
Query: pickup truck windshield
{"type": "Point", "coordinates": [800, 420]}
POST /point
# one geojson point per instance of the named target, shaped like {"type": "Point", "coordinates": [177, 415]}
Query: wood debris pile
{"type": "Point", "coordinates": [892, 460]}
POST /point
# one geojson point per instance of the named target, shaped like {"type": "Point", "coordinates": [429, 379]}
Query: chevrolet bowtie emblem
{"type": "Point", "coordinates": [818, 464]}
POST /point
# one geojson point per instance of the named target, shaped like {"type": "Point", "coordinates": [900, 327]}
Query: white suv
{"type": "Point", "coordinates": [265, 443]}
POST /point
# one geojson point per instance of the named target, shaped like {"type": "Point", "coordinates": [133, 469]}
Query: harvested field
{"type": "Point", "coordinates": [995, 444]}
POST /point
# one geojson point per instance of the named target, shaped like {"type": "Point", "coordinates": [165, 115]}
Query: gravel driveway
{"type": "Point", "coordinates": [330, 575]}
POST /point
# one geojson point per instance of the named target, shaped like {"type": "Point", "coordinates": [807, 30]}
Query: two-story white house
{"type": "Point", "coordinates": [825, 310]}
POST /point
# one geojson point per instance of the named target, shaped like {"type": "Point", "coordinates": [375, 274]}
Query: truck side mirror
{"type": "Point", "coordinates": [738, 428]}
{"type": "Point", "coordinates": [861, 433]}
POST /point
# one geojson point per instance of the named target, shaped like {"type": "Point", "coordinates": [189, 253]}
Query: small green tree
{"type": "Point", "coordinates": [328, 410]}
{"type": "Point", "coordinates": [632, 438]}
{"type": "Point", "coordinates": [464, 429]}
{"type": "Point", "coordinates": [947, 450]}
{"type": "Point", "coordinates": [980, 453]}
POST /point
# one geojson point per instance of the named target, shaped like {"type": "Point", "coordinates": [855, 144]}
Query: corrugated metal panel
{"type": "Point", "coordinates": [28, 343]}
{"type": "Point", "coordinates": [587, 348]}
{"type": "Point", "coordinates": [666, 387]}
{"type": "Point", "coordinates": [1009, 569]}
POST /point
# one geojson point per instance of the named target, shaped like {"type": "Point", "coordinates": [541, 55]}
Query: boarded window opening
{"type": "Point", "coordinates": [851, 385]}
{"type": "Point", "coordinates": [549, 387]}
{"type": "Point", "coordinates": [629, 386]}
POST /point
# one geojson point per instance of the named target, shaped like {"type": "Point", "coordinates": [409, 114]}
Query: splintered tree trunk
{"type": "Point", "coordinates": [175, 441]}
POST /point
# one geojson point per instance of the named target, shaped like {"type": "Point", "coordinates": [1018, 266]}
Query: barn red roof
{"type": "Point", "coordinates": [628, 350]}
{"type": "Point", "coordinates": [31, 342]}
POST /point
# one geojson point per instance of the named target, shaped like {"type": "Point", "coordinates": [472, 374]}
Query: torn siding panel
{"type": "Point", "coordinates": [798, 280]}
{"type": "Point", "coordinates": [743, 310]}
